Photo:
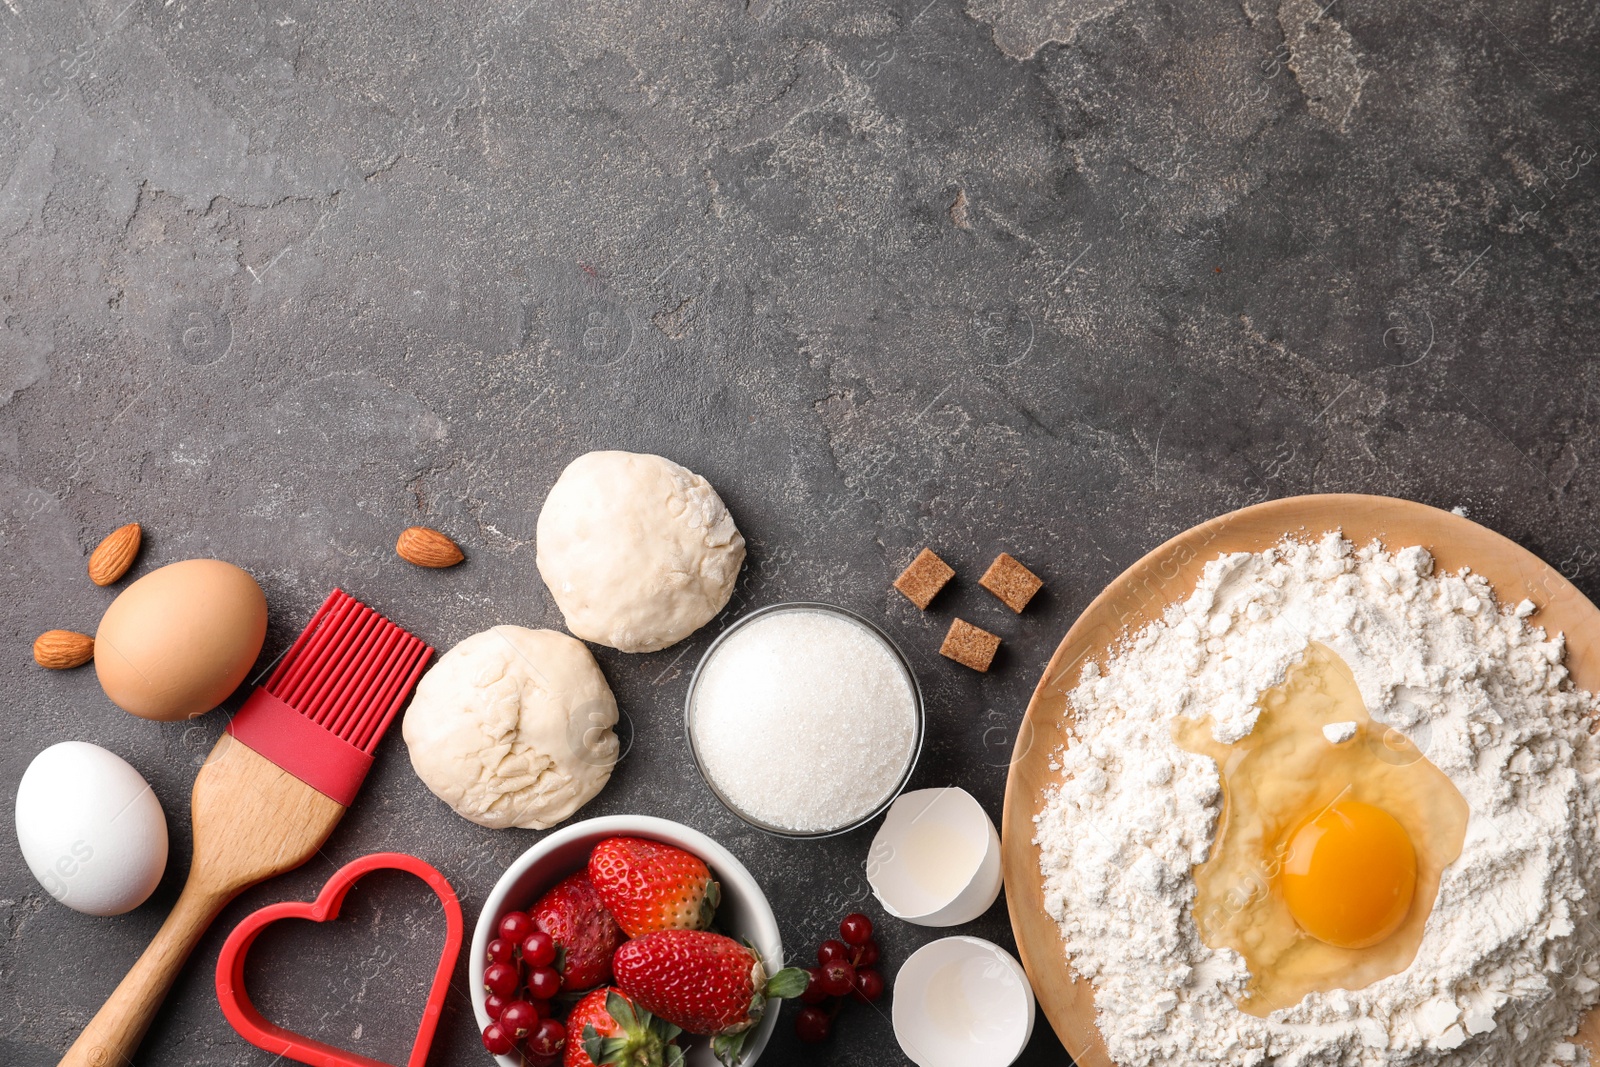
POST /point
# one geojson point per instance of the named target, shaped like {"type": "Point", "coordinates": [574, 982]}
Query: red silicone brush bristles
{"type": "Point", "coordinates": [350, 671]}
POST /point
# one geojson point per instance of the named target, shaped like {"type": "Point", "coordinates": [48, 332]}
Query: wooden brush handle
{"type": "Point", "coordinates": [252, 820]}
{"type": "Point", "coordinates": [113, 1035]}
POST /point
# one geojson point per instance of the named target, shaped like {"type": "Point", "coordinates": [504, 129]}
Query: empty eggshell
{"type": "Point", "coordinates": [935, 861]}
{"type": "Point", "coordinates": [962, 1002]}
{"type": "Point", "coordinates": [178, 641]}
{"type": "Point", "coordinates": [91, 829]}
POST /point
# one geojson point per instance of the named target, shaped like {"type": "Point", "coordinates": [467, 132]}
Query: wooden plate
{"type": "Point", "coordinates": [1142, 593]}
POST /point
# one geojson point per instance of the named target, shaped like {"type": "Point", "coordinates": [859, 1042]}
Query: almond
{"type": "Point", "coordinates": [428, 548]}
{"type": "Point", "coordinates": [115, 555]}
{"type": "Point", "coordinates": [62, 650]}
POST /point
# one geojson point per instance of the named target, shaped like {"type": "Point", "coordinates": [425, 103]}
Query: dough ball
{"type": "Point", "coordinates": [638, 552]}
{"type": "Point", "coordinates": [512, 727]}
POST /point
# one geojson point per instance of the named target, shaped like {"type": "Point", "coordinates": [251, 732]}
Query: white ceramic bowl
{"type": "Point", "coordinates": [744, 913]}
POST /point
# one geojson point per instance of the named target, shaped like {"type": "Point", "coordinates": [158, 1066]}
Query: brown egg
{"type": "Point", "coordinates": [178, 641]}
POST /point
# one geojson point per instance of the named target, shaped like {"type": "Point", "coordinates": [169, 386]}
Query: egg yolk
{"type": "Point", "coordinates": [1350, 874]}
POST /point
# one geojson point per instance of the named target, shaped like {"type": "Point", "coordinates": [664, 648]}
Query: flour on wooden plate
{"type": "Point", "coordinates": [1510, 960]}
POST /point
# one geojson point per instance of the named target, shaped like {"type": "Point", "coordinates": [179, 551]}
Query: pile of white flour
{"type": "Point", "coordinates": [1511, 955]}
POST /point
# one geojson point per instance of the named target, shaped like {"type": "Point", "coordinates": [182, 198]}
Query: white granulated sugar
{"type": "Point", "coordinates": [1508, 961]}
{"type": "Point", "coordinates": [804, 720]}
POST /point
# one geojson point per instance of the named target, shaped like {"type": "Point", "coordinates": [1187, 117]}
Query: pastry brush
{"type": "Point", "coordinates": [272, 790]}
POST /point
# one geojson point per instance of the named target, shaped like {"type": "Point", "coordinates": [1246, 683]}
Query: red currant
{"type": "Point", "coordinates": [838, 978]}
{"type": "Point", "coordinates": [501, 979]}
{"type": "Point", "coordinates": [499, 951]}
{"type": "Point", "coordinates": [516, 926]}
{"type": "Point", "coordinates": [812, 1025]}
{"type": "Point", "coordinates": [519, 1019]}
{"type": "Point", "coordinates": [493, 1005]}
{"type": "Point", "coordinates": [829, 951]}
{"type": "Point", "coordinates": [538, 949]}
{"type": "Point", "coordinates": [856, 929]}
{"type": "Point", "coordinates": [869, 985]}
{"type": "Point", "coordinates": [544, 982]}
{"type": "Point", "coordinates": [497, 1041]}
{"type": "Point", "coordinates": [814, 993]}
{"type": "Point", "coordinates": [548, 1039]}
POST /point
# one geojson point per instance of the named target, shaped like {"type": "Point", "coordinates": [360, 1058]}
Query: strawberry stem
{"type": "Point", "coordinates": [787, 984]}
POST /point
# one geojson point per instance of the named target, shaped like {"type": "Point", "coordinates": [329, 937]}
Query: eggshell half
{"type": "Point", "coordinates": [91, 829]}
{"type": "Point", "coordinates": [178, 641]}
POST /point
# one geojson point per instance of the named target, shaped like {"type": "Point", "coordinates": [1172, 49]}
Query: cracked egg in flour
{"type": "Point", "coordinates": [1333, 836]}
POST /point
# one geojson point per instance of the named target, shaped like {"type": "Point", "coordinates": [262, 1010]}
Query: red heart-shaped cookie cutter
{"type": "Point", "coordinates": [254, 1028]}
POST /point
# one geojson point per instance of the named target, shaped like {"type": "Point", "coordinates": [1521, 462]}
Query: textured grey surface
{"type": "Point", "coordinates": [1058, 277]}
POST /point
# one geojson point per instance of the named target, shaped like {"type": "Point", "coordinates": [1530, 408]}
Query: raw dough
{"type": "Point", "coordinates": [638, 552]}
{"type": "Point", "coordinates": [512, 727]}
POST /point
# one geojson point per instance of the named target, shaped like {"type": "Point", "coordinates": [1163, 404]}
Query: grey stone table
{"type": "Point", "coordinates": [1055, 277]}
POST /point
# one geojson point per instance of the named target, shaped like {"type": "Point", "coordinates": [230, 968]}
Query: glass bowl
{"type": "Point", "coordinates": [898, 657]}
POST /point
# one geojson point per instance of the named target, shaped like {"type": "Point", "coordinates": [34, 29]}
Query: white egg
{"type": "Point", "coordinates": [91, 829]}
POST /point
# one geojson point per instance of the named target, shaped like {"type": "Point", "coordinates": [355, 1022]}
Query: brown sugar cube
{"type": "Point", "coordinates": [922, 581]}
{"type": "Point", "coordinates": [969, 646]}
{"type": "Point", "coordinates": [1009, 580]}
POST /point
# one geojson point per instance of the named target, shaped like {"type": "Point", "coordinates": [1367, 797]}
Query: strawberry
{"type": "Point", "coordinates": [606, 1027]}
{"type": "Point", "coordinates": [649, 886]}
{"type": "Point", "coordinates": [703, 982]}
{"type": "Point", "coordinates": [584, 931]}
